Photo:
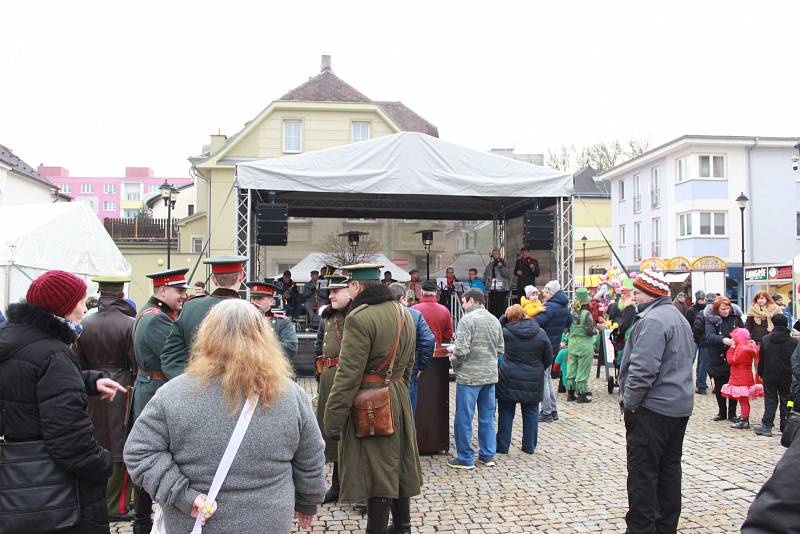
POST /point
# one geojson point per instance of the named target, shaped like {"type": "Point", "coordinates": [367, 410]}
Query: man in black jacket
{"type": "Point", "coordinates": [775, 368]}
{"type": "Point", "coordinates": [695, 317]}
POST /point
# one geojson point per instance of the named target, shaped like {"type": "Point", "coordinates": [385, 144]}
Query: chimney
{"type": "Point", "coordinates": [217, 140]}
{"type": "Point", "coordinates": [326, 63]}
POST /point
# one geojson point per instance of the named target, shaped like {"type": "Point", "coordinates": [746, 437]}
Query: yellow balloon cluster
{"type": "Point", "coordinates": [611, 326]}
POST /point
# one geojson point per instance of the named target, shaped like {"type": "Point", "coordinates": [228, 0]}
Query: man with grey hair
{"type": "Point", "coordinates": [478, 343]}
{"type": "Point", "coordinates": [554, 319]}
{"type": "Point", "coordinates": [425, 342]}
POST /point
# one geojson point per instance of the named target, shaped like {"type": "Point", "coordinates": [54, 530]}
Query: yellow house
{"type": "Point", "coordinates": [591, 218]}
{"type": "Point", "coordinates": [323, 112]}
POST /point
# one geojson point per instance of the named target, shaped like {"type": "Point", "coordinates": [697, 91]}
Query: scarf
{"type": "Point", "coordinates": [75, 327]}
{"type": "Point", "coordinates": [759, 314]}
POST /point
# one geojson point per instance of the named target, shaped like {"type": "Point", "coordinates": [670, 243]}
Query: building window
{"type": "Point", "coordinates": [622, 240]}
{"type": "Point", "coordinates": [87, 188]}
{"type": "Point", "coordinates": [298, 219]}
{"type": "Point", "coordinates": [133, 191]}
{"type": "Point", "coordinates": [109, 205]}
{"type": "Point", "coordinates": [130, 213]}
{"type": "Point", "coordinates": [65, 188]}
{"type": "Point", "coordinates": [655, 187]}
{"type": "Point", "coordinates": [798, 224]}
{"type": "Point", "coordinates": [656, 235]}
{"type": "Point", "coordinates": [154, 188]}
{"type": "Point", "coordinates": [621, 190]}
{"type": "Point", "coordinates": [712, 223]}
{"type": "Point", "coordinates": [190, 209]}
{"type": "Point", "coordinates": [680, 170]}
{"type": "Point", "coordinates": [712, 166]}
{"type": "Point", "coordinates": [360, 131]}
{"type": "Point", "coordinates": [197, 245]}
{"type": "Point", "coordinates": [685, 224]}
{"type": "Point", "coordinates": [292, 136]}
{"type": "Point", "coordinates": [637, 194]}
{"type": "Point", "coordinates": [361, 220]}
{"type": "Point", "coordinates": [637, 241]}
{"type": "Point", "coordinates": [109, 189]}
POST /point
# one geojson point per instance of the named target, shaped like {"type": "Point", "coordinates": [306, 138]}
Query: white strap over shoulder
{"type": "Point", "coordinates": [230, 453]}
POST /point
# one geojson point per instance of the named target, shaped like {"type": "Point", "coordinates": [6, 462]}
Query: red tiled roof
{"type": "Point", "coordinates": [406, 119]}
{"type": "Point", "coordinates": [326, 87]}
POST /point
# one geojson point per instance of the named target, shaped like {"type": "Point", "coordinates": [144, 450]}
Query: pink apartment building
{"type": "Point", "coordinates": [111, 197]}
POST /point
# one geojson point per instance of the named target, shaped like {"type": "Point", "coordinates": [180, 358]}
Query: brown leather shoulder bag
{"type": "Point", "coordinates": [372, 407]}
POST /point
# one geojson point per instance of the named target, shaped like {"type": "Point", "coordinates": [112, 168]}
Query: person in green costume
{"type": "Point", "coordinates": [581, 348]}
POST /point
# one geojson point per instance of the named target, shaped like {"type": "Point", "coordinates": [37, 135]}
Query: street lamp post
{"type": "Point", "coordinates": [169, 195]}
{"type": "Point", "coordinates": [427, 242]}
{"type": "Point", "coordinates": [742, 201]}
{"type": "Point", "coordinates": [353, 238]}
{"type": "Point", "coordinates": [583, 244]}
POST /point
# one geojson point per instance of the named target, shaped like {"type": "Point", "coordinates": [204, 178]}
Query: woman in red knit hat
{"type": "Point", "coordinates": [43, 394]}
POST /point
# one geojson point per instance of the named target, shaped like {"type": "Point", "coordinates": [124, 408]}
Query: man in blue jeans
{"type": "Point", "coordinates": [478, 343]}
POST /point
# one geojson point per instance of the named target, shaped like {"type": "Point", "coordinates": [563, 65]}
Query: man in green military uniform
{"type": "Point", "coordinates": [262, 296]}
{"type": "Point", "coordinates": [326, 349]}
{"type": "Point", "coordinates": [106, 344]}
{"type": "Point", "coordinates": [385, 470]}
{"type": "Point", "coordinates": [227, 274]}
{"type": "Point", "coordinates": [150, 330]}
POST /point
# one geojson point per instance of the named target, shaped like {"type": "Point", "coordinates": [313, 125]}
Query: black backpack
{"type": "Point", "coordinates": [699, 326]}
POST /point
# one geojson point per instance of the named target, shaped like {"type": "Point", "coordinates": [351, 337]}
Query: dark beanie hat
{"type": "Point", "coordinates": [57, 292]}
{"type": "Point", "coordinates": [429, 286]}
{"type": "Point", "coordinates": [780, 319]}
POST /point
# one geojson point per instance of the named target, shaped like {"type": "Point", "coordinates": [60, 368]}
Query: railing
{"type": "Point", "coordinates": [655, 198]}
{"type": "Point", "coordinates": [656, 248]}
{"type": "Point", "coordinates": [637, 253]}
{"type": "Point", "coordinates": [637, 203]}
{"type": "Point", "coordinates": [139, 229]}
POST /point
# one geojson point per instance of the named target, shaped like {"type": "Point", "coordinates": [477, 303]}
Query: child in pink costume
{"type": "Point", "coordinates": [741, 384]}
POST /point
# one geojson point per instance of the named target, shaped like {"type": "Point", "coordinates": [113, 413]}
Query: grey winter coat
{"type": "Point", "coordinates": [177, 443]}
{"type": "Point", "coordinates": [656, 370]}
{"type": "Point", "coordinates": [478, 343]}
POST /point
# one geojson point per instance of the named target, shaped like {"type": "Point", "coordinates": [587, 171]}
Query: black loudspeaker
{"type": "Point", "coordinates": [272, 224]}
{"type": "Point", "coordinates": [539, 230]}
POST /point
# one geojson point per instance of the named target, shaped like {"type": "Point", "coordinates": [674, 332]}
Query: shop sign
{"type": "Point", "coordinates": [709, 263]}
{"type": "Point", "coordinates": [758, 273]}
{"type": "Point", "coordinates": [781, 272]}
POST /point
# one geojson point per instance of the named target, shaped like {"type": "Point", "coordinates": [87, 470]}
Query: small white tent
{"type": "Point", "coordinates": [315, 260]}
{"type": "Point", "coordinates": [35, 238]}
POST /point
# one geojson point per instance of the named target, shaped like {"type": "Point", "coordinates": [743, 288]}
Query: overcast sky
{"type": "Point", "coordinates": [94, 87]}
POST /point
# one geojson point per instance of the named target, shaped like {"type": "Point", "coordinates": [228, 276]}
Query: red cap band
{"type": "Point", "coordinates": [222, 268]}
{"type": "Point", "coordinates": [166, 280]}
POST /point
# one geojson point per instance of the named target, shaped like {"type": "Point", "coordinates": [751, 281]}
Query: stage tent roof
{"type": "Point", "coordinates": [403, 175]}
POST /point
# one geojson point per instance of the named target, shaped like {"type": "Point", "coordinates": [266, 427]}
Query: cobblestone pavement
{"type": "Point", "coordinates": [575, 481]}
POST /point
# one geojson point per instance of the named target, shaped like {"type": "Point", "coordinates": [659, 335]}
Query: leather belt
{"type": "Point", "coordinates": [154, 375]}
{"type": "Point", "coordinates": [367, 378]}
{"type": "Point", "coordinates": [328, 362]}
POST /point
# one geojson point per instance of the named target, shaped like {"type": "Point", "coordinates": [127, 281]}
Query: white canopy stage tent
{"type": "Point", "coordinates": [316, 260]}
{"type": "Point", "coordinates": [35, 238]}
{"type": "Point", "coordinates": [406, 175]}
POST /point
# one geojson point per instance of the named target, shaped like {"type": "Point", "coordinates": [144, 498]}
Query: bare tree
{"type": "Point", "coordinates": [336, 250]}
{"type": "Point", "coordinates": [601, 156]}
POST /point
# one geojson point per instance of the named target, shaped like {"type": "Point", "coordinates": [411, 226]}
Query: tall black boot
{"type": "Point", "coordinates": [571, 395]}
{"type": "Point", "coordinates": [378, 515]}
{"type": "Point", "coordinates": [401, 516]}
{"type": "Point", "coordinates": [143, 513]}
{"type": "Point", "coordinates": [332, 495]}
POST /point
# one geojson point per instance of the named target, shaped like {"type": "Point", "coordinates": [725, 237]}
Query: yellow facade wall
{"type": "Point", "coordinates": [587, 215]}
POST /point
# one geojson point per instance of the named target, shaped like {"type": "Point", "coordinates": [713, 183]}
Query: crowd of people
{"type": "Point", "coordinates": [191, 401]}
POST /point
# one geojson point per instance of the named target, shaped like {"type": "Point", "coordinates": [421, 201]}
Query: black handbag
{"type": "Point", "coordinates": [790, 428]}
{"type": "Point", "coordinates": [36, 495]}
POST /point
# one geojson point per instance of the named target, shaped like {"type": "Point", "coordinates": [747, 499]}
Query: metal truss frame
{"type": "Point", "coordinates": [565, 254]}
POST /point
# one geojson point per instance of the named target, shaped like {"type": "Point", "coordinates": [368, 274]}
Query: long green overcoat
{"type": "Point", "coordinates": [330, 331]}
{"type": "Point", "coordinates": [180, 340]}
{"type": "Point", "coordinates": [152, 327]}
{"type": "Point", "coordinates": [385, 466]}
